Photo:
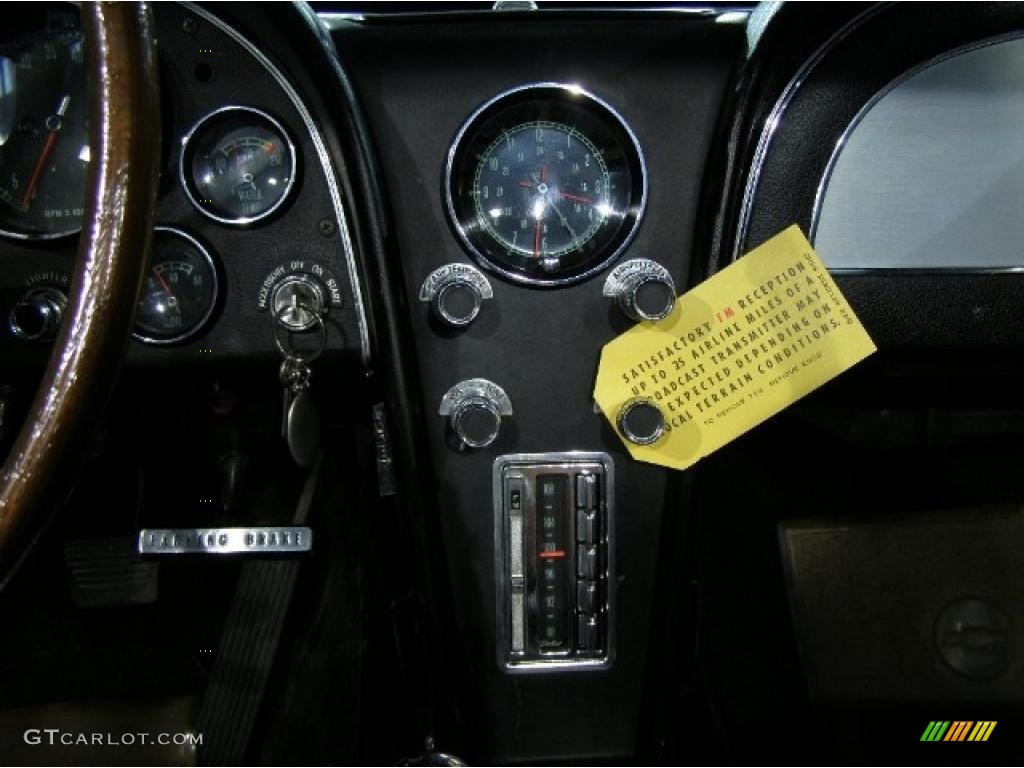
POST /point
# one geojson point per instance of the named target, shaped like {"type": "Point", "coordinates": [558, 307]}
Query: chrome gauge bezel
{"type": "Point", "coordinates": [201, 324]}
{"type": "Point", "coordinates": [185, 174]}
{"type": "Point", "coordinates": [549, 93]}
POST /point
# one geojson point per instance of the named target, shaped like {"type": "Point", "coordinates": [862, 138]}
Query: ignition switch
{"type": "Point", "coordinates": [298, 292]}
{"type": "Point", "coordinates": [297, 301]}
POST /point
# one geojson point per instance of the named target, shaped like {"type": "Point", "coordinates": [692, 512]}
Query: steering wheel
{"type": "Point", "coordinates": [112, 258]}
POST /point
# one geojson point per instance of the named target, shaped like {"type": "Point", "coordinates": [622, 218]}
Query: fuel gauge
{"type": "Point", "coordinates": [238, 165]}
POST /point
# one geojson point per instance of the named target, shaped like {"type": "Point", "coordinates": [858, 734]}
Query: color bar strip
{"type": "Point", "coordinates": [935, 730]}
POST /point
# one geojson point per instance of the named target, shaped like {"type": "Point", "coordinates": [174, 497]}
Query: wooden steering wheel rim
{"type": "Point", "coordinates": [112, 257]}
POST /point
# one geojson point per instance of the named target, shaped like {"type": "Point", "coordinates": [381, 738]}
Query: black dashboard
{"type": "Point", "coordinates": [452, 210]}
{"type": "Point", "coordinates": [685, 65]}
{"type": "Point", "coordinates": [216, 81]}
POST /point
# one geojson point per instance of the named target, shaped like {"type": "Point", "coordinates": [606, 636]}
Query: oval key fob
{"type": "Point", "coordinates": [302, 429]}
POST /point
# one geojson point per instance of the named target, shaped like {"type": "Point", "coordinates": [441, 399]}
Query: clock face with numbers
{"type": "Point", "coordinates": [545, 185]}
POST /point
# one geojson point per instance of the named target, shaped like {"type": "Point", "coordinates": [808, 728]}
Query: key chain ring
{"type": "Point", "coordinates": [289, 351]}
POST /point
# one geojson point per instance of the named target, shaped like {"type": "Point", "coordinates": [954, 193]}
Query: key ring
{"type": "Point", "coordinates": [289, 351]}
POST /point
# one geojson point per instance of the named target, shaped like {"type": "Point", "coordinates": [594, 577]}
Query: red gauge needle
{"type": "Point", "coordinates": [536, 241]}
{"type": "Point", "coordinates": [525, 184]}
{"type": "Point", "coordinates": [44, 156]}
{"type": "Point", "coordinates": [543, 172]}
{"type": "Point", "coordinates": [167, 288]}
{"type": "Point", "coordinates": [552, 554]}
{"type": "Point", "coordinates": [575, 198]}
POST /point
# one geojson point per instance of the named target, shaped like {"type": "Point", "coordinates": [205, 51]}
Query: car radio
{"type": "Point", "coordinates": [554, 560]}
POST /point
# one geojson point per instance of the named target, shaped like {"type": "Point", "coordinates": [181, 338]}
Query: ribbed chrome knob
{"type": "Point", "coordinates": [643, 289]}
{"type": "Point", "coordinates": [456, 293]}
{"type": "Point", "coordinates": [475, 408]}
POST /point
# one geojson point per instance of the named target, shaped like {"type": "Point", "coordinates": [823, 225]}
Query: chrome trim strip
{"type": "Point", "coordinates": [772, 123]}
{"type": "Point", "coordinates": [871, 103]}
{"type": "Point", "coordinates": [949, 271]}
{"type": "Point", "coordinates": [515, 277]}
{"type": "Point", "coordinates": [333, 19]}
{"type": "Point", "coordinates": [475, 388]}
{"type": "Point", "coordinates": [259, 540]}
{"type": "Point", "coordinates": [140, 336]}
{"type": "Point", "coordinates": [325, 161]}
{"type": "Point", "coordinates": [187, 187]}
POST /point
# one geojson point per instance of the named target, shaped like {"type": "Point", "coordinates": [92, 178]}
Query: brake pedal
{"type": "Point", "coordinates": [109, 572]}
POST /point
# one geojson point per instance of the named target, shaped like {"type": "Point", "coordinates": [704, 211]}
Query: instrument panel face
{"type": "Point", "coordinates": [238, 165]}
{"type": "Point", "coordinates": [181, 289]}
{"type": "Point", "coordinates": [44, 126]}
{"type": "Point", "coordinates": [545, 184]}
{"type": "Point", "coordinates": [244, 186]}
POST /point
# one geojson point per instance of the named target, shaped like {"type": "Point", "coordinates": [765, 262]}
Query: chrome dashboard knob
{"type": "Point", "coordinates": [476, 422]}
{"type": "Point", "coordinates": [455, 293]}
{"type": "Point", "coordinates": [641, 422]}
{"type": "Point", "coordinates": [37, 315]}
{"type": "Point", "coordinates": [643, 289]}
{"type": "Point", "coordinates": [475, 408]}
{"type": "Point", "coordinates": [457, 303]}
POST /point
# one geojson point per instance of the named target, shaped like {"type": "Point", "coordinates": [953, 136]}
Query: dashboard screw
{"type": "Point", "coordinates": [189, 26]}
{"type": "Point", "coordinates": [326, 227]}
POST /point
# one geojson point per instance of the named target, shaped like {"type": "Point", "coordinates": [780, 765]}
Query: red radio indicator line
{"type": "Point", "coordinates": [553, 553]}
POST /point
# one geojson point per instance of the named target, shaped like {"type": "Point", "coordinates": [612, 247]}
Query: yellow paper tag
{"type": "Point", "coordinates": [737, 349]}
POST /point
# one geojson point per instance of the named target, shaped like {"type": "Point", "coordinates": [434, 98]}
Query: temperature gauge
{"type": "Point", "coordinates": [180, 291]}
{"type": "Point", "coordinates": [238, 165]}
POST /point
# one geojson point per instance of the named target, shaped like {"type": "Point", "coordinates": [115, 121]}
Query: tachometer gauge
{"type": "Point", "coordinates": [545, 184]}
{"type": "Point", "coordinates": [180, 291]}
{"type": "Point", "coordinates": [44, 142]}
{"type": "Point", "coordinates": [238, 165]}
